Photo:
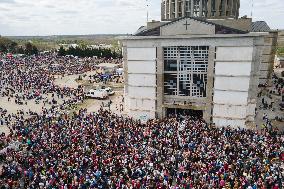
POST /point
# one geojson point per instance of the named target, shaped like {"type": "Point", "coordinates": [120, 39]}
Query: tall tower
{"type": "Point", "coordinates": [173, 9]}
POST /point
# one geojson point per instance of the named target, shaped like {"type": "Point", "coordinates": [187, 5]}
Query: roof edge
{"type": "Point", "coordinates": [203, 20]}
{"type": "Point", "coordinates": [249, 35]}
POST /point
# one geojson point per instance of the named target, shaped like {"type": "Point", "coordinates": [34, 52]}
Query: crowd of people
{"type": "Point", "coordinates": [87, 67]}
{"type": "Point", "coordinates": [104, 150]}
{"type": "Point", "coordinates": [63, 65]}
{"type": "Point", "coordinates": [32, 78]}
{"type": "Point", "coordinates": [279, 85]}
{"type": "Point", "coordinates": [277, 88]}
{"type": "Point", "coordinates": [27, 79]}
{"type": "Point", "coordinates": [271, 100]}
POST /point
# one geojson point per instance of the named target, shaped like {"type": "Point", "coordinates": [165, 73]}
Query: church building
{"type": "Point", "coordinates": [193, 66]}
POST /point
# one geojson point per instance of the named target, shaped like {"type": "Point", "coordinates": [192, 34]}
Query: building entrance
{"type": "Point", "coordinates": [198, 114]}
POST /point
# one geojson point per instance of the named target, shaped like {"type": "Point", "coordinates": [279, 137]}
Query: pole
{"type": "Point", "coordinates": [147, 4]}
{"type": "Point", "coordinates": [147, 16]}
{"type": "Point", "coordinates": [252, 6]}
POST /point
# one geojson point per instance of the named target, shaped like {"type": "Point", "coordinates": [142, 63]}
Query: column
{"type": "Point", "coordinates": [125, 67]}
{"type": "Point", "coordinates": [183, 8]}
{"type": "Point", "coordinates": [163, 10]}
{"type": "Point", "coordinates": [171, 9]}
{"type": "Point", "coordinates": [209, 9]}
{"type": "Point", "coordinates": [176, 8]}
{"type": "Point", "coordinates": [234, 8]}
{"type": "Point", "coordinates": [231, 5]}
{"type": "Point", "coordinates": [192, 5]}
{"type": "Point", "coordinates": [210, 74]}
{"type": "Point", "coordinates": [200, 8]}
{"type": "Point", "coordinates": [160, 82]}
{"type": "Point", "coordinates": [225, 7]}
{"type": "Point", "coordinates": [237, 10]}
{"type": "Point", "coordinates": [168, 9]}
{"type": "Point", "coordinates": [217, 5]}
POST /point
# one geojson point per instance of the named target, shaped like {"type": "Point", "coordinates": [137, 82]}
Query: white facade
{"type": "Point", "coordinates": [226, 94]}
{"type": "Point", "coordinates": [233, 73]}
{"type": "Point", "coordinates": [140, 95]}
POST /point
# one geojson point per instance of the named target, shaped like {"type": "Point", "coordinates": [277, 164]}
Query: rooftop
{"type": "Point", "coordinates": [260, 26]}
{"type": "Point", "coordinates": [220, 29]}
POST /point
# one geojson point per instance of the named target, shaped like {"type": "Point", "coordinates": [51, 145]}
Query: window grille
{"type": "Point", "coordinates": [185, 70]}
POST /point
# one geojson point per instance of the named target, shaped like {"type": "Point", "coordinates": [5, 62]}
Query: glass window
{"type": "Point", "coordinates": [188, 65]}
{"type": "Point", "coordinates": [170, 65]}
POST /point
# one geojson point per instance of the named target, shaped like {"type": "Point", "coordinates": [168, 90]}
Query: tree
{"type": "Point", "coordinates": [35, 50]}
{"type": "Point", "coordinates": [88, 52]}
{"type": "Point", "coordinates": [280, 51]}
{"type": "Point", "coordinates": [61, 51]}
{"type": "Point", "coordinates": [7, 45]}
{"type": "Point", "coordinates": [20, 50]}
{"type": "Point", "coordinates": [3, 48]}
{"type": "Point", "coordinates": [30, 49]}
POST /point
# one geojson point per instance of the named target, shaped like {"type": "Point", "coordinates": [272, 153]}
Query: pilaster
{"type": "Point", "coordinates": [160, 82]}
{"type": "Point", "coordinates": [210, 85]}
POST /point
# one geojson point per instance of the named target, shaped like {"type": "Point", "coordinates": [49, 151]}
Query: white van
{"type": "Point", "coordinates": [97, 94]}
{"type": "Point", "coordinates": [109, 91]}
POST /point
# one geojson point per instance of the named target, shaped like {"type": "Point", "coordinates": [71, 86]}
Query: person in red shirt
{"type": "Point", "coordinates": [282, 156]}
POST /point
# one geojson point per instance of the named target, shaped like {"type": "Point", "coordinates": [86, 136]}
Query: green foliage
{"type": "Point", "coordinates": [89, 52]}
{"type": "Point", "coordinates": [280, 51]}
{"type": "Point", "coordinates": [31, 49]}
{"type": "Point", "coordinates": [20, 50]}
{"type": "Point", "coordinates": [61, 51]}
{"type": "Point", "coordinates": [7, 45]}
{"type": "Point", "coordinates": [52, 43]}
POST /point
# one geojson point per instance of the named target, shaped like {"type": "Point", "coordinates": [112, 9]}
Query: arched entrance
{"type": "Point", "coordinates": [184, 112]}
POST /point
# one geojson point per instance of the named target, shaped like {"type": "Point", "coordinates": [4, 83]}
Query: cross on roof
{"type": "Point", "coordinates": [186, 24]}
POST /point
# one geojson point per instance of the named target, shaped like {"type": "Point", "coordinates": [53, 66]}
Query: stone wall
{"type": "Point", "coordinates": [268, 57]}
